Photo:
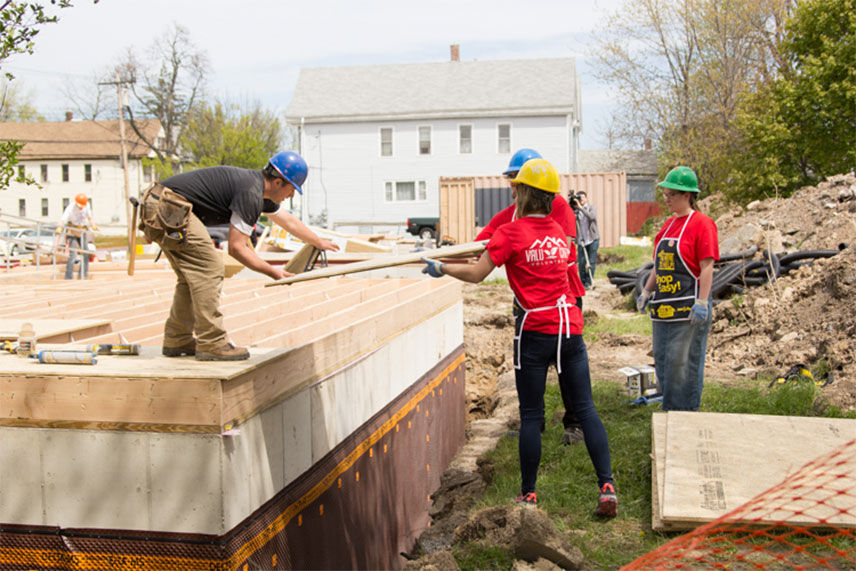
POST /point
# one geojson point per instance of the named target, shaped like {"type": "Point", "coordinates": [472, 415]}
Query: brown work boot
{"type": "Point", "coordinates": [186, 349]}
{"type": "Point", "coordinates": [226, 352]}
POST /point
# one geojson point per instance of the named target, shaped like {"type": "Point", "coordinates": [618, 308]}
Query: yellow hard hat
{"type": "Point", "coordinates": [540, 174]}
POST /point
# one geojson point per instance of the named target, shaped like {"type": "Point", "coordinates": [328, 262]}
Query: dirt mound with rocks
{"type": "Point", "coordinates": [807, 316]}
{"type": "Point", "coordinates": [488, 337]}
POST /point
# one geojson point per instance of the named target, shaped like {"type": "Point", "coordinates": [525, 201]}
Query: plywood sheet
{"type": "Point", "coordinates": [716, 462]}
{"type": "Point", "coordinates": [658, 475]}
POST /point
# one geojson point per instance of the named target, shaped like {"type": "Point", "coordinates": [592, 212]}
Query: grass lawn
{"type": "Point", "coordinates": [567, 488]}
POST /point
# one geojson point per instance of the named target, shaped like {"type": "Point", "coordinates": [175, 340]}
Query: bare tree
{"type": "Point", "coordinates": [87, 99]}
{"type": "Point", "coordinates": [680, 67]}
{"type": "Point", "coordinates": [165, 85]}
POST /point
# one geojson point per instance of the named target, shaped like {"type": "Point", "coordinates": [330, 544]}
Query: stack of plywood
{"type": "Point", "coordinates": [707, 464]}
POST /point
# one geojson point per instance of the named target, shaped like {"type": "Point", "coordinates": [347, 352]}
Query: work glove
{"type": "Point", "coordinates": [433, 268]}
{"type": "Point", "coordinates": [699, 311]}
{"type": "Point", "coordinates": [642, 301]}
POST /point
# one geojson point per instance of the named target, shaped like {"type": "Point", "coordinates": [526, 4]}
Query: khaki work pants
{"type": "Point", "coordinates": [196, 302]}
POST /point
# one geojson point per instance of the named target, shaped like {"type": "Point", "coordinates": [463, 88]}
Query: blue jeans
{"type": "Point", "coordinates": [679, 349]}
{"type": "Point", "coordinates": [589, 250]}
{"type": "Point", "coordinates": [80, 244]}
{"type": "Point", "coordinates": [539, 351]}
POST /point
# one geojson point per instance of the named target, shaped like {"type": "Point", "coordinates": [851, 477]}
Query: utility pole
{"type": "Point", "coordinates": [124, 154]}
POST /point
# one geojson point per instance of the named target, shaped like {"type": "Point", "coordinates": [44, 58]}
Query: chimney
{"type": "Point", "coordinates": [647, 144]}
{"type": "Point", "coordinates": [455, 50]}
{"type": "Point", "coordinates": [68, 115]}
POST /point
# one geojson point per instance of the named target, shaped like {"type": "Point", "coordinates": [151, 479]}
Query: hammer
{"type": "Point", "coordinates": [133, 229]}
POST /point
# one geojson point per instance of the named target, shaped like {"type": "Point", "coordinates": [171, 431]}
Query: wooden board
{"type": "Point", "coordinates": [716, 462]}
{"type": "Point", "coordinates": [386, 262]}
{"type": "Point", "coordinates": [305, 255]}
{"type": "Point", "coordinates": [658, 475]}
{"type": "Point", "coordinates": [49, 329]}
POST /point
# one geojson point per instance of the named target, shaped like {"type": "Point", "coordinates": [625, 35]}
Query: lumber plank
{"type": "Point", "coordinates": [716, 462]}
{"type": "Point", "coordinates": [49, 330]}
{"type": "Point", "coordinates": [297, 264]}
{"type": "Point", "coordinates": [384, 262]}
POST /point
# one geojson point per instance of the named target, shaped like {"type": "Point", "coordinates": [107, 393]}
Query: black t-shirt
{"type": "Point", "coordinates": [217, 192]}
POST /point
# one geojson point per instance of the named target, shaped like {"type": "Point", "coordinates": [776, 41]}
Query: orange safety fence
{"type": "Point", "coordinates": [808, 521]}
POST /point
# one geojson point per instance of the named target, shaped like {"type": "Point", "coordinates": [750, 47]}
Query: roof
{"type": "Point", "coordinates": [435, 90]}
{"type": "Point", "coordinates": [614, 160]}
{"type": "Point", "coordinates": [79, 139]}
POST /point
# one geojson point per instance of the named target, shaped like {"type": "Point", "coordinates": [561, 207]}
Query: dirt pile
{"type": "Point", "coordinates": [808, 316]}
{"type": "Point", "coordinates": [488, 336]}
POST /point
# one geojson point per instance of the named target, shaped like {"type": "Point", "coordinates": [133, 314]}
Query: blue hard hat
{"type": "Point", "coordinates": [521, 157]}
{"type": "Point", "coordinates": [290, 166]}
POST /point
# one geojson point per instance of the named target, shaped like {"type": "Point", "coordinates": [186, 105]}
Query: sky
{"type": "Point", "coordinates": [256, 48]}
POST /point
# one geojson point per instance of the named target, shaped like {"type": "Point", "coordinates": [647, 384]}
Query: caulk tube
{"type": "Point", "coordinates": [67, 357]}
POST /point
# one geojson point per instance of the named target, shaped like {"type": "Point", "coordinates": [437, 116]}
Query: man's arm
{"type": "Point", "coordinates": [589, 211]}
{"type": "Point", "coordinates": [293, 224]}
{"type": "Point", "coordinates": [239, 248]}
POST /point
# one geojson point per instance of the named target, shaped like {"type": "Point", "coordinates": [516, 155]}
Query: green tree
{"type": "Point", "coordinates": [231, 134]}
{"type": "Point", "coordinates": [680, 68]}
{"type": "Point", "coordinates": [20, 22]}
{"type": "Point", "coordinates": [802, 127]}
{"type": "Point", "coordinates": [15, 103]}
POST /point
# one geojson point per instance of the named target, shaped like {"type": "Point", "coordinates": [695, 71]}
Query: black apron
{"type": "Point", "coordinates": [676, 288]}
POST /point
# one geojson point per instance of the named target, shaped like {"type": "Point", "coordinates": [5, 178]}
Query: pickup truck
{"type": "Point", "coordinates": [425, 228]}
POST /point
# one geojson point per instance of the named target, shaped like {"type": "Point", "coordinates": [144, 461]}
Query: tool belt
{"type": "Point", "coordinates": [164, 216]}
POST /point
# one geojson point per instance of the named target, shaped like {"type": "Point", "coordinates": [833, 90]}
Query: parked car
{"type": "Point", "coordinates": [425, 228]}
{"type": "Point", "coordinates": [220, 235]}
{"type": "Point", "coordinates": [17, 241]}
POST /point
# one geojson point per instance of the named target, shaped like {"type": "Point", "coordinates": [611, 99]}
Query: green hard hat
{"type": "Point", "coordinates": [681, 178]}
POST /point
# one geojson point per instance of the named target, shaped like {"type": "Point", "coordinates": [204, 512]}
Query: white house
{"type": "Point", "coordinates": [378, 138]}
{"type": "Point", "coordinates": [70, 157]}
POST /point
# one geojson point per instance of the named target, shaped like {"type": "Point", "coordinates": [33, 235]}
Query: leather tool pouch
{"type": "Point", "coordinates": [165, 216]}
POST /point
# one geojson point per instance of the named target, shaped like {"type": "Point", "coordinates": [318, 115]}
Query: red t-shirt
{"type": "Point", "coordinates": [535, 254]}
{"type": "Point", "coordinates": [564, 216]}
{"type": "Point", "coordinates": [699, 241]}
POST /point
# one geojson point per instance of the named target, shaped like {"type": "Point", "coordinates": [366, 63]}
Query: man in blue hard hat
{"type": "Point", "coordinates": [175, 213]}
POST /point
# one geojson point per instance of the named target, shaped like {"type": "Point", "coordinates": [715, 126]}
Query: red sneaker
{"type": "Point", "coordinates": [528, 499]}
{"type": "Point", "coordinates": [607, 504]}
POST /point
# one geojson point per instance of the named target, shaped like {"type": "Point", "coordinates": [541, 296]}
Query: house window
{"type": "Point", "coordinates": [405, 191]}
{"type": "Point", "coordinates": [44, 173]}
{"type": "Point", "coordinates": [44, 207]}
{"type": "Point", "coordinates": [87, 173]}
{"type": "Point", "coordinates": [22, 172]}
{"type": "Point", "coordinates": [503, 138]}
{"type": "Point", "coordinates": [424, 140]}
{"type": "Point", "coordinates": [466, 139]}
{"type": "Point", "coordinates": [386, 141]}
{"type": "Point", "coordinates": [147, 173]}
{"type": "Point", "coordinates": [64, 173]}
{"type": "Point", "coordinates": [22, 207]}
{"type": "Point", "coordinates": [65, 203]}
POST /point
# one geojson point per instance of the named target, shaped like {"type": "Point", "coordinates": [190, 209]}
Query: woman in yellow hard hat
{"type": "Point", "coordinates": [535, 253]}
{"type": "Point", "coordinates": [677, 293]}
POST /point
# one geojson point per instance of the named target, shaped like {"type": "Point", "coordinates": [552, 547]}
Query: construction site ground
{"type": "Point", "coordinates": [807, 317]}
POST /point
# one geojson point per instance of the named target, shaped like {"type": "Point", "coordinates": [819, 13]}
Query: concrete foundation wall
{"type": "Point", "coordinates": [198, 483]}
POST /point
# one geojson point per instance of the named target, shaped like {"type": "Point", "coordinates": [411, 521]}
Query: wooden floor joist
{"type": "Point", "coordinates": [317, 327]}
